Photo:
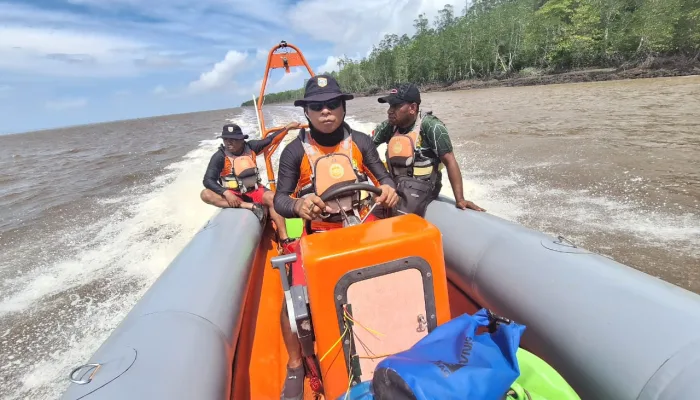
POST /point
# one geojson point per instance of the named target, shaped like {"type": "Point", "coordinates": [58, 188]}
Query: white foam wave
{"type": "Point", "coordinates": [509, 196]}
{"type": "Point", "coordinates": [129, 250]}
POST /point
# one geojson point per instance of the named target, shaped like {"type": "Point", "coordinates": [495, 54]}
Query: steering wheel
{"type": "Point", "coordinates": [353, 187]}
{"type": "Point", "coordinates": [341, 191]}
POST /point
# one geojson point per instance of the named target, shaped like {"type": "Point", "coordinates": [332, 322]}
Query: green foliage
{"type": "Point", "coordinates": [280, 97]}
{"type": "Point", "coordinates": [502, 37]}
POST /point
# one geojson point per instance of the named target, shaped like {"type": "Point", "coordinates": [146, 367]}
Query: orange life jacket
{"type": "Point", "coordinates": [240, 172]}
{"type": "Point", "coordinates": [323, 168]}
{"type": "Point", "coordinates": [403, 156]}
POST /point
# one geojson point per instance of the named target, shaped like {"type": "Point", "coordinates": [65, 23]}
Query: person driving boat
{"type": "Point", "coordinates": [329, 156]}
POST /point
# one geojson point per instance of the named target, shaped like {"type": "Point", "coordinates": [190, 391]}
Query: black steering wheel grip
{"type": "Point", "coordinates": [343, 190]}
{"type": "Point", "coordinates": [353, 187]}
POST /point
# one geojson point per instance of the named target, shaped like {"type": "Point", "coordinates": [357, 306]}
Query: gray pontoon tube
{"type": "Point", "coordinates": [611, 331]}
{"type": "Point", "coordinates": [179, 340]}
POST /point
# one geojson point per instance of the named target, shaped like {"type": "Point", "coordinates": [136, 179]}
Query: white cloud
{"type": "Point", "coordinates": [221, 74]}
{"type": "Point", "coordinates": [66, 52]}
{"type": "Point", "coordinates": [292, 80]}
{"type": "Point", "coordinates": [65, 104]}
{"type": "Point", "coordinates": [41, 41]}
{"type": "Point", "coordinates": [44, 42]}
{"type": "Point", "coordinates": [353, 27]}
{"type": "Point", "coordinates": [330, 65]}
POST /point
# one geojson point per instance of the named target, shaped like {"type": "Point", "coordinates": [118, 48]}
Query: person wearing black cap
{"type": "Point", "coordinates": [232, 178]}
{"type": "Point", "coordinates": [353, 158]}
{"type": "Point", "coordinates": [417, 148]}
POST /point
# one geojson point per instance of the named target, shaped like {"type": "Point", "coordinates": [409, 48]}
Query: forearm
{"type": "Point", "coordinates": [288, 178]}
{"type": "Point", "coordinates": [259, 146]}
{"type": "Point", "coordinates": [271, 137]}
{"type": "Point", "coordinates": [455, 177]}
{"type": "Point", "coordinates": [376, 141]}
{"type": "Point", "coordinates": [211, 175]}
{"type": "Point", "coordinates": [213, 185]}
{"type": "Point", "coordinates": [284, 205]}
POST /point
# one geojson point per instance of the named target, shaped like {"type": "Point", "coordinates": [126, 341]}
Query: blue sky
{"type": "Point", "coordinates": [68, 62]}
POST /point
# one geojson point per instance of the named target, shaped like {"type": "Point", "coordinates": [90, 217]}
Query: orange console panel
{"type": "Point", "coordinates": [374, 289]}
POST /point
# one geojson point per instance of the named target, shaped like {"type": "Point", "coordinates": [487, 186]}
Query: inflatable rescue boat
{"type": "Point", "coordinates": [209, 327]}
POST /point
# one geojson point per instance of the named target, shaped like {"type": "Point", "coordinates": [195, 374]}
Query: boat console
{"type": "Point", "coordinates": [370, 290]}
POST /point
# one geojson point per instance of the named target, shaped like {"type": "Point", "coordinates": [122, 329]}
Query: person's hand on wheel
{"type": "Point", "coordinates": [309, 207]}
{"type": "Point", "coordinates": [388, 198]}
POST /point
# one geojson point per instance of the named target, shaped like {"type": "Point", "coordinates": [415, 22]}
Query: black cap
{"type": "Point", "coordinates": [405, 93]}
{"type": "Point", "coordinates": [232, 131]}
{"type": "Point", "coordinates": [322, 88]}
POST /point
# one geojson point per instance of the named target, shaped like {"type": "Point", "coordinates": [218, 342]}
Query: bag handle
{"type": "Point", "coordinates": [491, 320]}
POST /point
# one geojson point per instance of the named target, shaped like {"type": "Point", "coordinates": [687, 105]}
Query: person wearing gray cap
{"type": "Point", "coordinates": [417, 148]}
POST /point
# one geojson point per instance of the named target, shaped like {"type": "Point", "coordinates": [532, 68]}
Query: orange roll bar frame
{"type": "Point", "coordinates": [276, 60]}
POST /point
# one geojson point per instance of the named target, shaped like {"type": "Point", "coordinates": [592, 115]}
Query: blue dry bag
{"type": "Point", "coordinates": [453, 362]}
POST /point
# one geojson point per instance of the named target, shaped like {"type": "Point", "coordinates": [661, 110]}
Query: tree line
{"type": "Point", "coordinates": [280, 97]}
{"type": "Point", "coordinates": [503, 37]}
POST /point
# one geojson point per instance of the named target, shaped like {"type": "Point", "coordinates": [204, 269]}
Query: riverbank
{"type": "Point", "coordinates": [650, 68]}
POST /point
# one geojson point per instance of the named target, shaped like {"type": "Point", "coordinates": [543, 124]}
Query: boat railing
{"type": "Point", "coordinates": [283, 55]}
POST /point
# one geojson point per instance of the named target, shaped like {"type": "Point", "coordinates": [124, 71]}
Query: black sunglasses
{"type": "Point", "coordinates": [319, 105]}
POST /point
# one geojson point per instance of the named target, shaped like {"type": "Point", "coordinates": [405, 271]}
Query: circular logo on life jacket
{"type": "Point", "coordinates": [336, 171]}
{"type": "Point", "coordinates": [397, 147]}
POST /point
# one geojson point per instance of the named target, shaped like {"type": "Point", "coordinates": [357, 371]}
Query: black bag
{"type": "Point", "coordinates": [414, 195]}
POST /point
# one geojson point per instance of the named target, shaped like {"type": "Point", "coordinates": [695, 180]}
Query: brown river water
{"type": "Point", "coordinates": [612, 166]}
